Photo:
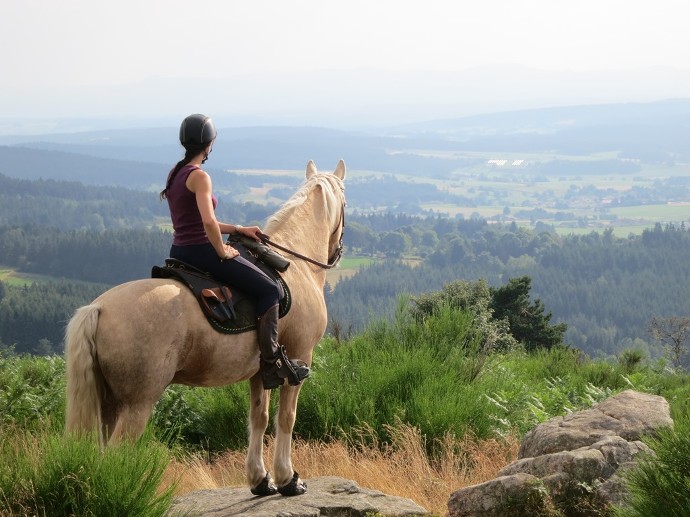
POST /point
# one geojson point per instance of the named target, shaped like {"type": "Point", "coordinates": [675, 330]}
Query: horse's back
{"type": "Point", "coordinates": [152, 332]}
{"type": "Point", "coordinates": [134, 311]}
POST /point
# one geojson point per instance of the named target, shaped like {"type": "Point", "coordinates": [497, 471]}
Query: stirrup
{"type": "Point", "coordinates": [274, 372]}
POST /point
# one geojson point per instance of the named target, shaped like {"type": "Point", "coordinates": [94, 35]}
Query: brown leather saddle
{"type": "Point", "coordinates": [228, 310]}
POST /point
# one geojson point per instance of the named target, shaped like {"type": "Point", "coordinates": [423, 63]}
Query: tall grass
{"type": "Point", "coordinates": [437, 376]}
{"type": "Point", "coordinates": [213, 419]}
{"type": "Point", "coordinates": [32, 391]}
{"type": "Point", "coordinates": [661, 483]}
{"type": "Point", "coordinates": [401, 467]}
{"type": "Point", "coordinates": [50, 474]}
{"type": "Point", "coordinates": [417, 409]}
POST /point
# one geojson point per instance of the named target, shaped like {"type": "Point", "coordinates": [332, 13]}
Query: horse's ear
{"type": "Point", "coordinates": [311, 169]}
{"type": "Point", "coordinates": [340, 170]}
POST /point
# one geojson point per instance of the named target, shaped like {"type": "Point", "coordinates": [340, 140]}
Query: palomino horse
{"type": "Point", "coordinates": [131, 342]}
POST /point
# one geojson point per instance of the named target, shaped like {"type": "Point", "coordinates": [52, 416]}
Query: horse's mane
{"type": "Point", "coordinates": [332, 194]}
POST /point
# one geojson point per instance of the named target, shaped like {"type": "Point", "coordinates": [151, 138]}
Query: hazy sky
{"type": "Point", "coordinates": [63, 46]}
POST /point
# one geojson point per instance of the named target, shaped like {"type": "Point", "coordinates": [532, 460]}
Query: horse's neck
{"type": "Point", "coordinates": [305, 231]}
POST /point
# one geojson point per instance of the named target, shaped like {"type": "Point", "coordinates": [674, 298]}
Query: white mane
{"type": "Point", "coordinates": [333, 197]}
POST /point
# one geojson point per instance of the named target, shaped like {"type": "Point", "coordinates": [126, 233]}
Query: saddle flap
{"type": "Point", "coordinates": [214, 298]}
{"type": "Point", "coordinates": [217, 302]}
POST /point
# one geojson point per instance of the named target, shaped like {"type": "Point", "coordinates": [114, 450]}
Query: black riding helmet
{"type": "Point", "coordinates": [197, 129]}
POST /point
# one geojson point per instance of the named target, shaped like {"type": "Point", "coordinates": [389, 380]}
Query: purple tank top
{"type": "Point", "coordinates": [184, 212]}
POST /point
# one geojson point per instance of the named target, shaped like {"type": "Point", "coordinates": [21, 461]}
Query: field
{"type": "Point", "coordinates": [12, 277]}
{"type": "Point", "coordinates": [502, 194]}
{"type": "Point", "coordinates": [348, 266]}
{"type": "Point", "coordinates": [504, 188]}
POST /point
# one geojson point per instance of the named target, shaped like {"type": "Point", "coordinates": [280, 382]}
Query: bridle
{"type": "Point", "coordinates": [332, 260]}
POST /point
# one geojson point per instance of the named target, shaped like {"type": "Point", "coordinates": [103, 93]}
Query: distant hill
{"type": "Point", "coordinates": [29, 163]}
{"type": "Point", "coordinates": [650, 132]}
{"type": "Point", "coordinates": [647, 131]}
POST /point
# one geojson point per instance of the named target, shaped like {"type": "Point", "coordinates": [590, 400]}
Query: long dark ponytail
{"type": "Point", "coordinates": [191, 150]}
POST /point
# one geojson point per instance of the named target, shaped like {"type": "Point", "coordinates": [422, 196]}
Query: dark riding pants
{"type": "Point", "coordinates": [237, 272]}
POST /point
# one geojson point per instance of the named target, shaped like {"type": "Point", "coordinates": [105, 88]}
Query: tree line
{"type": "Point", "coordinates": [604, 288]}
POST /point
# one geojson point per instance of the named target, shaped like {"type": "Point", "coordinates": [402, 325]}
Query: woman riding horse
{"type": "Point", "coordinates": [124, 348]}
{"type": "Point", "coordinates": [197, 240]}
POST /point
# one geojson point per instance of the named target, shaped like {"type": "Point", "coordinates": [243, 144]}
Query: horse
{"type": "Point", "coordinates": [124, 348]}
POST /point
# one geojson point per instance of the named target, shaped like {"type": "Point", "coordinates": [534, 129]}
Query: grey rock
{"type": "Point", "coordinates": [567, 459]}
{"type": "Point", "coordinates": [495, 498]}
{"type": "Point", "coordinates": [583, 464]}
{"type": "Point", "coordinates": [326, 496]}
{"type": "Point", "coordinates": [629, 414]}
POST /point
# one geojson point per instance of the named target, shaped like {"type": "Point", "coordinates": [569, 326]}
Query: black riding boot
{"type": "Point", "coordinates": [275, 365]}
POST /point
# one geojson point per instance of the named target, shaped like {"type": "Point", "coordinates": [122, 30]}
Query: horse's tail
{"type": "Point", "coordinates": [84, 379]}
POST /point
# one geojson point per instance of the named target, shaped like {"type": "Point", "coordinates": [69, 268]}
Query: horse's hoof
{"type": "Point", "coordinates": [266, 487]}
{"type": "Point", "coordinates": [295, 487]}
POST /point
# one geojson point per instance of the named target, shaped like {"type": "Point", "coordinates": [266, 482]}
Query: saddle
{"type": "Point", "coordinates": [227, 309]}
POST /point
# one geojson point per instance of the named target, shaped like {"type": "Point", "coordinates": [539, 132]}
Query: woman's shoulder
{"type": "Point", "coordinates": [197, 171]}
{"type": "Point", "coordinates": [197, 177]}
{"type": "Point", "coordinates": [188, 168]}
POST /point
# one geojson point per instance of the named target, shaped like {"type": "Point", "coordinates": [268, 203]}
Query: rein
{"type": "Point", "coordinates": [332, 261]}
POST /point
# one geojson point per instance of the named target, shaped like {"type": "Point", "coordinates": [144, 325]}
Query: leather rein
{"type": "Point", "coordinates": [332, 261]}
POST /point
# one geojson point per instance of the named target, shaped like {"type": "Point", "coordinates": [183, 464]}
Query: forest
{"type": "Point", "coordinates": [83, 239]}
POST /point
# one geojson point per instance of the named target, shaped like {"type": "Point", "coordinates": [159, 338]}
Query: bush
{"type": "Point", "coordinates": [213, 419]}
{"type": "Point", "coordinates": [660, 485]}
{"type": "Point", "coordinates": [55, 475]}
{"type": "Point", "coordinates": [437, 375]}
{"type": "Point", "coordinates": [32, 391]}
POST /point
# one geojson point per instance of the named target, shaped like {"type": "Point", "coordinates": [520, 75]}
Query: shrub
{"type": "Point", "coordinates": [49, 474]}
{"type": "Point", "coordinates": [32, 391]}
{"type": "Point", "coordinates": [214, 419]}
{"type": "Point", "coordinates": [660, 484]}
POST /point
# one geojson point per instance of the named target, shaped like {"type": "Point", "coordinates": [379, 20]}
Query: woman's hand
{"type": "Point", "coordinates": [230, 252]}
{"type": "Point", "coordinates": [253, 232]}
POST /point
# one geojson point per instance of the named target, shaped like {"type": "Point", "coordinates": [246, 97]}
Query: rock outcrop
{"type": "Point", "coordinates": [576, 460]}
{"type": "Point", "coordinates": [326, 496]}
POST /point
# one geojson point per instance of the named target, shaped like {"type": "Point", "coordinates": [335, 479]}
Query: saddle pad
{"type": "Point", "coordinates": [243, 307]}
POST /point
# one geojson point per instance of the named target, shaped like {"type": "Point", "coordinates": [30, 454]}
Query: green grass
{"type": "Point", "coordinates": [14, 278]}
{"type": "Point", "coordinates": [214, 419]}
{"type": "Point", "coordinates": [32, 391]}
{"type": "Point", "coordinates": [348, 266]}
{"type": "Point", "coordinates": [618, 231]}
{"type": "Point", "coordinates": [18, 279]}
{"type": "Point", "coordinates": [435, 376]}
{"type": "Point", "coordinates": [654, 212]}
{"type": "Point", "coordinates": [49, 474]}
{"type": "Point", "coordinates": [355, 262]}
{"type": "Point", "coordinates": [661, 483]}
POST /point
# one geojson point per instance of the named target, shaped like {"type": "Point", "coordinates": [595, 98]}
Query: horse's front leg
{"type": "Point", "coordinates": [258, 478]}
{"type": "Point", "coordinates": [288, 481]}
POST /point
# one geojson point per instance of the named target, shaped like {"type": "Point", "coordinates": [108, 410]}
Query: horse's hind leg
{"type": "Point", "coordinates": [258, 478]}
{"type": "Point", "coordinates": [108, 416]}
{"type": "Point", "coordinates": [288, 481]}
{"type": "Point", "coordinates": [130, 422]}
